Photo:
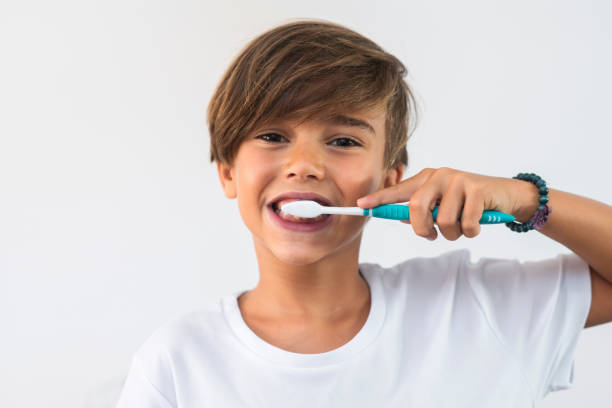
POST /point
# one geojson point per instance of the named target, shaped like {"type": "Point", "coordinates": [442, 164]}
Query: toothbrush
{"type": "Point", "coordinates": [311, 209]}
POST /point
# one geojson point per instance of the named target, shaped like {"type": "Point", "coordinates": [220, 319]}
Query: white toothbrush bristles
{"type": "Point", "coordinates": [302, 208]}
{"type": "Point", "coordinates": [311, 209]}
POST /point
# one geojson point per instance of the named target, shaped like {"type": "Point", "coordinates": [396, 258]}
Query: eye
{"type": "Point", "coordinates": [275, 137]}
{"type": "Point", "coordinates": [269, 137]}
{"type": "Point", "coordinates": [346, 139]}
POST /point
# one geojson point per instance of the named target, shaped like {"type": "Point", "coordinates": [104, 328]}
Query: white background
{"type": "Point", "coordinates": [112, 220]}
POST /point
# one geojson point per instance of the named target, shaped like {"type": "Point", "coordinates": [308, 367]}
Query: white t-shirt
{"type": "Point", "coordinates": [441, 332]}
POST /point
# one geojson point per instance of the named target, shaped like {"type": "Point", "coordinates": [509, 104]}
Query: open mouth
{"type": "Point", "coordinates": [275, 206]}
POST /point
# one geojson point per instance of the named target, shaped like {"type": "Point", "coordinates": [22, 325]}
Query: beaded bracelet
{"type": "Point", "coordinates": [541, 215]}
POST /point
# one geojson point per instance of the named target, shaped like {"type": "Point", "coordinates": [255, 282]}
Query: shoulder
{"type": "Point", "coordinates": [422, 273]}
{"type": "Point", "coordinates": [178, 348]}
{"type": "Point", "coordinates": [443, 265]}
{"type": "Point", "coordinates": [183, 332]}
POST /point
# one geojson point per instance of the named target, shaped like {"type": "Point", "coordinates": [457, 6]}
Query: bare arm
{"type": "Point", "coordinates": [584, 226]}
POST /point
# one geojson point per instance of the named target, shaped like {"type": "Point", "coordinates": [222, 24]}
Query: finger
{"type": "Point", "coordinates": [421, 205]}
{"type": "Point", "coordinates": [433, 235]}
{"type": "Point", "coordinates": [397, 193]}
{"type": "Point", "coordinates": [472, 213]}
{"type": "Point", "coordinates": [450, 210]}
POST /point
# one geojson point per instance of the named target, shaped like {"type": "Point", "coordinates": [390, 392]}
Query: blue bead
{"type": "Point", "coordinates": [544, 190]}
{"type": "Point", "coordinates": [541, 207]}
{"type": "Point", "coordinates": [543, 199]}
{"type": "Point", "coordinates": [540, 183]}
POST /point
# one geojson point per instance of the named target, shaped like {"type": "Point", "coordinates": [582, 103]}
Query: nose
{"type": "Point", "coordinates": [305, 161]}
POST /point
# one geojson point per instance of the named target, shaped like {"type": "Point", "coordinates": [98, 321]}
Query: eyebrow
{"type": "Point", "coordinates": [350, 121]}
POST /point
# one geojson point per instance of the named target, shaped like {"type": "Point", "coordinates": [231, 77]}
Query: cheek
{"type": "Point", "coordinates": [253, 171]}
{"type": "Point", "coordinates": [253, 175]}
{"type": "Point", "coordinates": [358, 180]}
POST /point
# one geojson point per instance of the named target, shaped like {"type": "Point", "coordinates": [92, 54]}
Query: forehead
{"type": "Point", "coordinates": [370, 120]}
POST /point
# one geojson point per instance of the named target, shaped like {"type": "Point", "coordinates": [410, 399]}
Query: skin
{"type": "Point", "coordinates": [310, 297]}
{"type": "Point", "coordinates": [579, 223]}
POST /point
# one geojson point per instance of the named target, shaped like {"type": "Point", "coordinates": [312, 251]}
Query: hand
{"type": "Point", "coordinates": [458, 194]}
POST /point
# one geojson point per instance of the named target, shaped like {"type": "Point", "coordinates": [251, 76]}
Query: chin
{"type": "Point", "coordinates": [297, 256]}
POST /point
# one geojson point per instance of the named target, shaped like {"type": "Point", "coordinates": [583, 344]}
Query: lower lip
{"type": "Point", "coordinates": [300, 226]}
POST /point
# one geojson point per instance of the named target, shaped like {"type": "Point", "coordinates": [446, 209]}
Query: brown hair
{"type": "Point", "coordinates": [306, 69]}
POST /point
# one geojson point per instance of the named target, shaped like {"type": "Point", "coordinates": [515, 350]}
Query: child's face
{"type": "Point", "coordinates": [310, 157]}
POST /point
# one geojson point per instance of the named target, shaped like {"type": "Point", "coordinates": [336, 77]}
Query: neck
{"type": "Point", "coordinates": [327, 291]}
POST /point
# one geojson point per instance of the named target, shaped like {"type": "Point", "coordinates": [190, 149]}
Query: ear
{"type": "Point", "coordinates": [228, 180]}
{"type": "Point", "coordinates": [394, 175]}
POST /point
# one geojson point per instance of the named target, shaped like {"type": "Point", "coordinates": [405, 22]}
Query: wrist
{"type": "Point", "coordinates": [528, 202]}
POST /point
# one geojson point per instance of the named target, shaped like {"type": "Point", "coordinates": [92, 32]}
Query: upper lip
{"type": "Point", "coordinates": [302, 195]}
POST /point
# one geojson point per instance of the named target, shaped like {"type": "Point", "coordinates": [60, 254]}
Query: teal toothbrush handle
{"type": "Point", "coordinates": [402, 212]}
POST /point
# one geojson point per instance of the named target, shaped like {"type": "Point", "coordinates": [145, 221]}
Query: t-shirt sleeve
{"type": "Point", "coordinates": [537, 309]}
{"type": "Point", "coordinates": [140, 391]}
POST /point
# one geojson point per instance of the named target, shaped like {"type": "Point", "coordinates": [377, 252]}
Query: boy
{"type": "Point", "coordinates": [313, 110]}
